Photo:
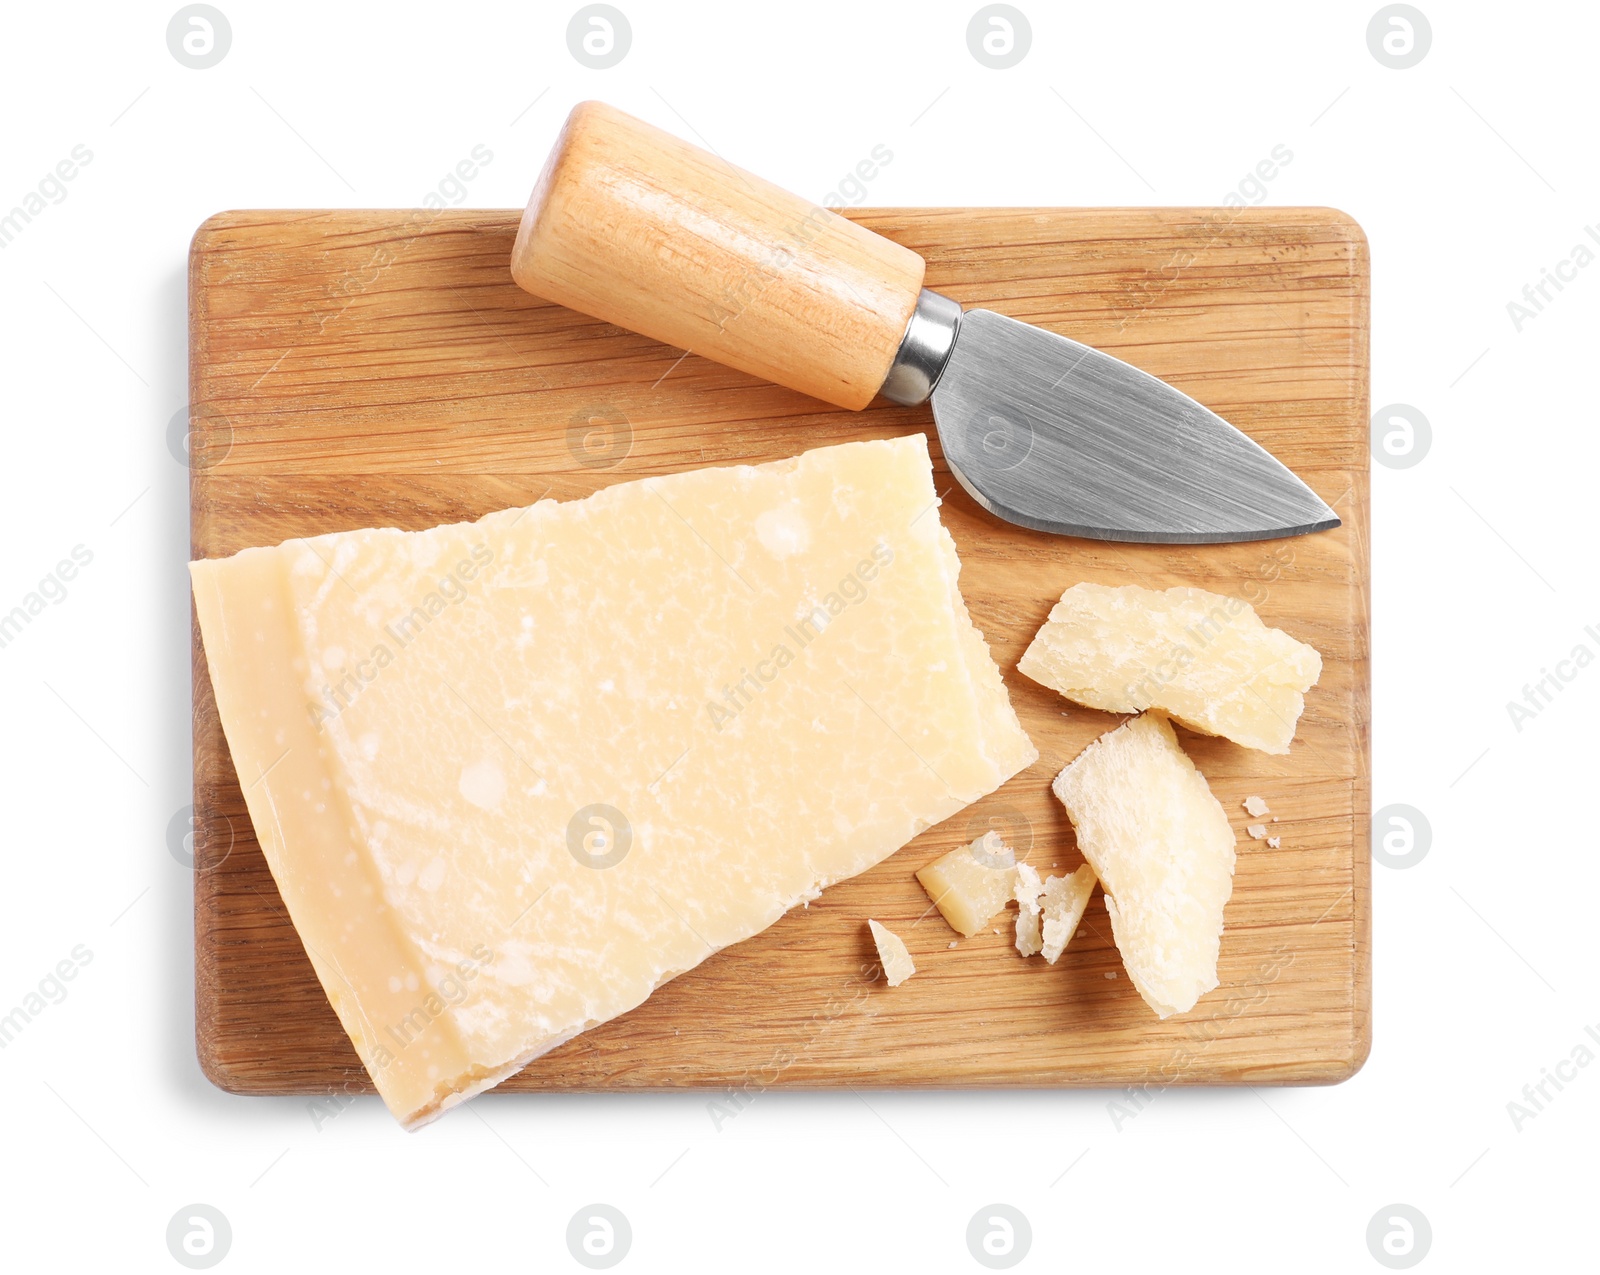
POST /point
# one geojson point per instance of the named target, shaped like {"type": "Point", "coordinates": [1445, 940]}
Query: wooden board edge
{"type": "Point", "coordinates": [205, 995]}
{"type": "Point", "coordinates": [1361, 831]}
{"type": "Point", "coordinates": [204, 725]}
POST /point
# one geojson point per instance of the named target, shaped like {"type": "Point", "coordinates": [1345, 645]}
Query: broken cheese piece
{"type": "Point", "coordinates": [973, 883]}
{"type": "Point", "coordinates": [892, 954]}
{"type": "Point", "coordinates": [511, 776]}
{"type": "Point", "coordinates": [1256, 807]}
{"type": "Point", "coordinates": [1027, 890]}
{"type": "Point", "coordinates": [1065, 899]}
{"type": "Point", "coordinates": [1161, 844]}
{"type": "Point", "coordinates": [1205, 659]}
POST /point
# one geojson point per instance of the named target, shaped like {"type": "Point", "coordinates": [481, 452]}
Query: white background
{"type": "Point", "coordinates": [1470, 172]}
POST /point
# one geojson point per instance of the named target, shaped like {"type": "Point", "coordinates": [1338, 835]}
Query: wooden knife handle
{"type": "Point", "coordinates": [631, 225]}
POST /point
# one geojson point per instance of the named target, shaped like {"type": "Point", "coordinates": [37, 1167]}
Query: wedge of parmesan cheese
{"type": "Point", "coordinates": [512, 775]}
{"type": "Point", "coordinates": [973, 883]}
{"type": "Point", "coordinates": [1205, 659]}
{"type": "Point", "coordinates": [892, 954]}
{"type": "Point", "coordinates": [1161, 844]}
{"type": "Point", "coordinates": [1027, 890]}
{"type": "Point", "coordinates": [1065, 899]}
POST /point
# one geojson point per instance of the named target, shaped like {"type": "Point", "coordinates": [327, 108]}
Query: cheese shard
{"type": "Point", "coordinates": [973, 883]}
{"type": "Point", "coordinates": [512, 775]}
{"type": "Point", "coordinates": [1065, 899]}
{"type": "Point", "coordinates": [1206, 660]}
{"type": "Point", "coordinates": [1162, 847]}
{"type": "Point", "coordinates": [892, 954]}
{"type": "Point", "coordinates": [1027, 890]}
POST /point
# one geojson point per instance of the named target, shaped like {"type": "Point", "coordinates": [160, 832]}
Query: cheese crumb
{"type": "Point", "coordinates": [1256, 807]}
{"type": "Point", "coordinates": [973, 883]}
{"type": "Point", "coordinates": [897, 963]}
{"type": "Point", "coordinates": [1257, 830]}
{"type": "Point", "coordinates": [1027, 890]}
{"type": "Point", "coordinates": [1065, 899]}
{"type": "Point", "coordinates": [1274, 841]}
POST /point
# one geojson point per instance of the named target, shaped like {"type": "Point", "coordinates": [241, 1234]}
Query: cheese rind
{"type": "Point", "coordinates": [892, 954]}
{"type": "Point", "coordinates": [1205, 659]}
{"type": "Point", "coordinates": [512, 775]}
{"type": "Point", "coordinates": [972, 884]}
{"type": "Point", "coordinates": [1162, 847]}
{"type": "Point", "coordinates": [1065, 899]}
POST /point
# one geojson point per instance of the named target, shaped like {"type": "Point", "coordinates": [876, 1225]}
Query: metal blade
{"type": "Point", "coordinates": [1058, 436]}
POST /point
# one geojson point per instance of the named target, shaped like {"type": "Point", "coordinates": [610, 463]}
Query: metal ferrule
{"type": "Point", "coordinates": [924, 350]}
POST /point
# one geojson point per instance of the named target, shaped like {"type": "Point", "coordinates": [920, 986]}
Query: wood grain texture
{"type": "Point", "coordinates": [351, 369]}
{"type": "Point", "coordinates": [634, 226]}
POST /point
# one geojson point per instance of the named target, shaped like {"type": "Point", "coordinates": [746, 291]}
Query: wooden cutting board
{"type": "Point", "coordinates": [351, 369]}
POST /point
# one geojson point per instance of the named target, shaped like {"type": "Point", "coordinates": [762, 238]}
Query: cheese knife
{"type": "Point", "coordinates": [634, 226]}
